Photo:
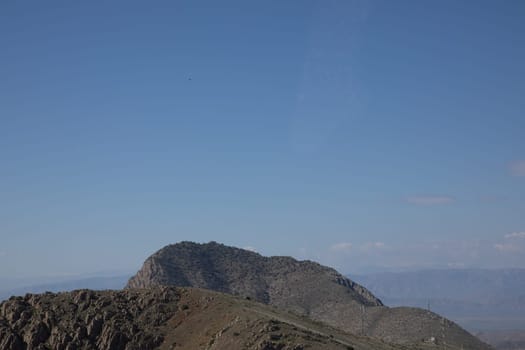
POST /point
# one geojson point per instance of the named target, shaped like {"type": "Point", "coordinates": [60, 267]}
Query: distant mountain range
{"type": "Point", "coordinates": [482, 285]}
{"type": "Point", "coordinates": [95, 283]}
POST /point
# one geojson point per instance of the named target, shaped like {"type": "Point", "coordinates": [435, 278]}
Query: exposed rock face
{"type": "Point", "coordinates": [162, 318]}
{"type": "Point", "coordinates": [271, 280]}
{"type": "Point", "coordinates": [85, 319]}
{"type": "Point", "coordinates": [303, 287]}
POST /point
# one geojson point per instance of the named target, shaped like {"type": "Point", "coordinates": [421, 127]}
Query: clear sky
{"type": "Point", "coordinates": [363, 134]}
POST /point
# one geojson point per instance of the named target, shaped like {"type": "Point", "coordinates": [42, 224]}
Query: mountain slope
{"type": "Point", "coordinates": [162, 318]}
{"type": "Point", "coordinates": [303, 287]}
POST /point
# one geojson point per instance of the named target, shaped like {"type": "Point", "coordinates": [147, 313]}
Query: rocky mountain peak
{"type": "Point", "coordinates": [271, 280]}
{"type": "Point", "coordinates": [301, 287]}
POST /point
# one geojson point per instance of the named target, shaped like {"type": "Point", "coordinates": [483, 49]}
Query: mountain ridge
{"type": "Point", "coordinates": [303, 287]}
{"type": "Point", "coordinates": [210, 266]}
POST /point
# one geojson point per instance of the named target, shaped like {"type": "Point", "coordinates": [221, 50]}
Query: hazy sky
{"type": "Point", "coordinates": [361, 134]}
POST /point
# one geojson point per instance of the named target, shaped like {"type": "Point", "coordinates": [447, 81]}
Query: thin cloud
{"type": "Point", "coordinates": [517, 168]}
{"type": "Point", "coordinates": [421, 254]}
{"type": "Point", "coordinates": [456, 265]}
{"type": "Point", "coordinates": [373, 246]}
{"type": "Point", "coordinates": [515, 235]}
{"type": "Point", "coordinates": [507, 247]}
{"type": "Point", "coordinates": [430, 200]}
{"type": "Point", "coordinates": [251, 249]}
{"type": "Point", "coordinates": [512, 243]}
{"type": "Point", "coordinates": [341, 247]}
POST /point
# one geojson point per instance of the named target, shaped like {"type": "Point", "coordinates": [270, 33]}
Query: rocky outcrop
{"type": "Point", "coordinates": [84, 319]}
{"type": "Point", "coordinates": [271, 280]}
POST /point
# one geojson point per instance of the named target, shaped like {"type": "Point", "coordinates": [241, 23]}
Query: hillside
{"type": "Point", "coordinates": [303, 287]}
{"type": "Point", "coordinates": [163, 318]}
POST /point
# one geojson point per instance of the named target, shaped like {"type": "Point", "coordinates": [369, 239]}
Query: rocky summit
{"type": "Point", "coordinates": [278, 280]}
{"type": "Point", "coordinates": [303, 287]}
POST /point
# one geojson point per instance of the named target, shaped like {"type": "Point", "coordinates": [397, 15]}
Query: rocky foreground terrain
{"type": "Point", "coordinates": [302, 287]}
{"type": "Point", "coordinates": [164, 318]}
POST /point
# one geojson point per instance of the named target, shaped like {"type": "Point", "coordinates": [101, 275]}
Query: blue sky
{"type": "Point", "coordinates": [363, 134]}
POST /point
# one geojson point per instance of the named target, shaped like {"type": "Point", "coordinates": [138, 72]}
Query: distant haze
{"type": "Point", "coordinates": [95, 283]}
{"type": "Point", "coordinates": [477, 299]}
